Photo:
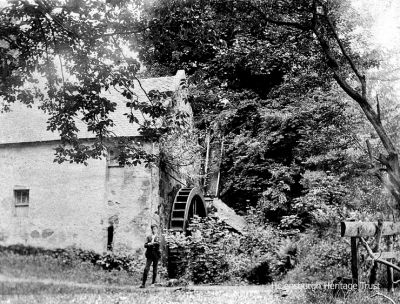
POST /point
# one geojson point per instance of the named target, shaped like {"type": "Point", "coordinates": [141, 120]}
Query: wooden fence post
{"type": "Point", "coordinates": [357, 231]}
{"type": "Point", "coordinates": [355, 261]}
{"type": "Point", "coordinates": [374, 269]}
{"type": "Point", "coordinates": [389, 270]}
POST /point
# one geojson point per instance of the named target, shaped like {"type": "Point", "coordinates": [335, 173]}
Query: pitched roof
{"type": "Point", "coordinates": [25, 124]}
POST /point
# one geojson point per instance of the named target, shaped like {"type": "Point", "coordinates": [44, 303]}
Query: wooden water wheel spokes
{"type": "Point", "coordinates": [188, 203]}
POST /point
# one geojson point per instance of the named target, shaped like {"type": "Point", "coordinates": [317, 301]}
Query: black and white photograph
{"type": "Point", "coordinates": [200, 151]}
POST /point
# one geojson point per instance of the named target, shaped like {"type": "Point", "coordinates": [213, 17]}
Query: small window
{"type": "Point", "coordinates": [21, 198]}
{"type": "Point", "coordinates": [113, 158]}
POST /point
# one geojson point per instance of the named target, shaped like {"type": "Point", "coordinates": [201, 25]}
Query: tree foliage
{"type": "Point", "coordinates": [261, 76]}
{"type": "Point", "coordinates": [62, 55]}
{"type": "Point", "coordinates": [262, 81]}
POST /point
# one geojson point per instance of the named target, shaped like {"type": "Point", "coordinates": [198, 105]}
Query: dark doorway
{"type": "Point", "coordinates": [110, 237]}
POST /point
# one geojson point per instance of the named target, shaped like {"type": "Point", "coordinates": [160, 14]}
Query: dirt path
{"type": "Point", "coordinates": [4, 278]}
{"type": "Point", "coordinates": [117, 294]}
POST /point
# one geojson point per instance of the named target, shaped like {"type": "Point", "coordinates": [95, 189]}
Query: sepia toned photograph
{"type": "Point", "coordinates": [200, 151]}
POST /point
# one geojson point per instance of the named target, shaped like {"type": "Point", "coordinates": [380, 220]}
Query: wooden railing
{"type": "Point", "coordinates": [357, 231]}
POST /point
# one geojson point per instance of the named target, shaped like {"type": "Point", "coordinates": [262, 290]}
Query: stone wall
{"type": "Point", "coordinates": [132, 203]}
{"type": "Point", "coordinates": [173, 177]}
{"type": "Point", "coordinates": [71, 204]}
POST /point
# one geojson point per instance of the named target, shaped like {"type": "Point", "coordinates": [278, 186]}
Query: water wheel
{"type": "Point", "coordinates": [188, 203]}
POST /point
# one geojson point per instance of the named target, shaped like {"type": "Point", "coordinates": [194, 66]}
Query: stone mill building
{"type": "Point", "coordinates": [99, 206]}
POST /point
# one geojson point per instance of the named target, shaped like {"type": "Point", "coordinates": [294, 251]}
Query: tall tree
{"type": "Point", "coordinates": [63, 55]}
{"type": "Point", "coordinates": [264, 90]}
{"type": "Point", "coordinates": [244, 45]}
{"type": "Point", "coordinates": [242, 41]}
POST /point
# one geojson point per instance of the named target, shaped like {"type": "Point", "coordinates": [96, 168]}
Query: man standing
{"type": "Point", "coordinates": [153, 254]}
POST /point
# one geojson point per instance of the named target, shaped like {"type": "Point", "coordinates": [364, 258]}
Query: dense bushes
{"type": "Point", "coordinates": [216, 254]}
{"type": "Point", "coordinates": [206, 250]}
{"type": "Point", "coordinates": [260, 274]}
{"type": "Point", "coordinates": [107, 261]}
{"type": "Point", "coordinates": [320, 258]}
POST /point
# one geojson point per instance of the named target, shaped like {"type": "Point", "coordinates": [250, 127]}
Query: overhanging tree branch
{"type": "Point", "coordinates": [321, 29]}
{"type": "Point", "coordinates": [361, 99]}
{"type": "Point", "coordinates": [348, 58]}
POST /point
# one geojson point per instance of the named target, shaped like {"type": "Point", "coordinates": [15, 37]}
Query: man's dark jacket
{"type": "Point", "coordinates": [153, 250]}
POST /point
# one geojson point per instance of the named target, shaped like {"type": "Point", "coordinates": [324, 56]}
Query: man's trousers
{"type": "Point", "coordinates": [149, 261]}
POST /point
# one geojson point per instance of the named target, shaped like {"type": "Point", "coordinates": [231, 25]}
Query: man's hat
{"type": "Point", "coordinates": [154, 225]}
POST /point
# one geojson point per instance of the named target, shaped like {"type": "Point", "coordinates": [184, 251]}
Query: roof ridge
{"type": "Point", "coordinates": [25, 124]}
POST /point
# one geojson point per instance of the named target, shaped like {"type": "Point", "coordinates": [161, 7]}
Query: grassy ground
{"type": "Point", "coordinates": [153, 296]}
{"type": "Point", "coordinates": [326, 297]}
{"type": "Point", "coordinates": [42, 266]}
{"type": "Point", "coordinates": [37, 293]}
{"type": "Point", "coordinates": [44, 279]}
